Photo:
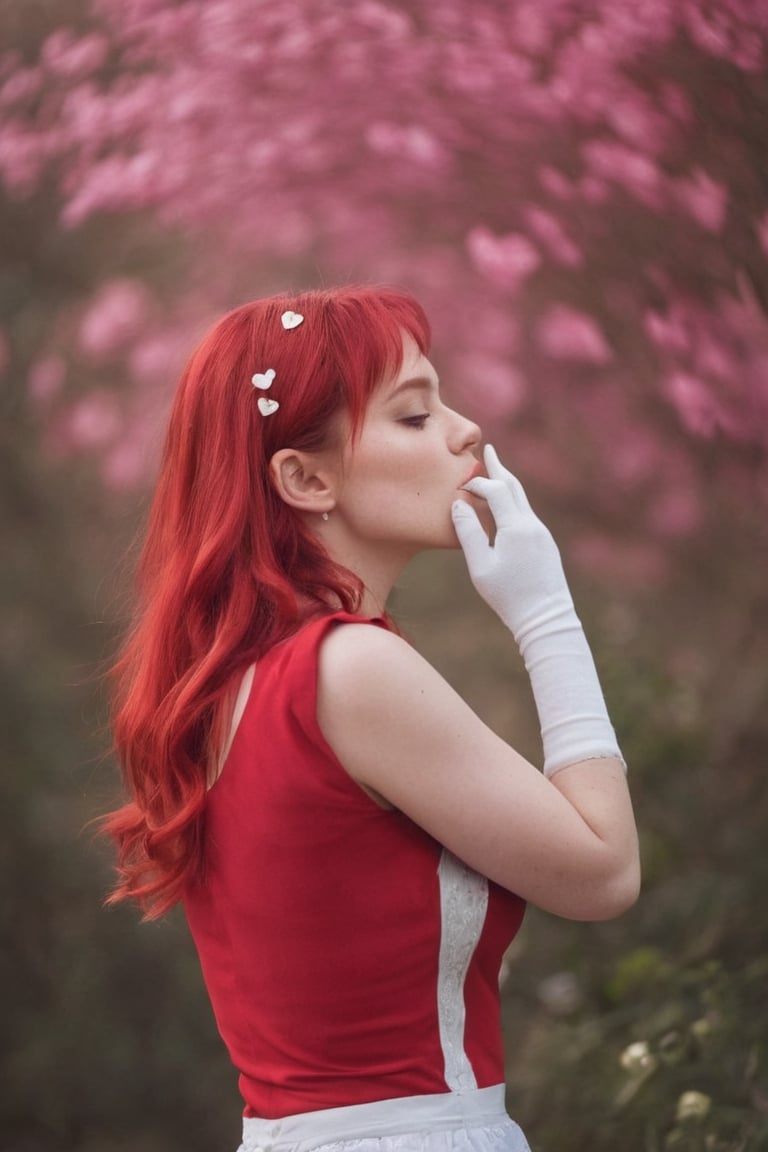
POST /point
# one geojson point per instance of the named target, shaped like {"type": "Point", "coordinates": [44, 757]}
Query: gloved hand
{"type": "Point", "coordinates": [521, 577]}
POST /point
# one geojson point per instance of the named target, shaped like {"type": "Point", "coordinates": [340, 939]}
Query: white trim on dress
{"type": "Point", "coordinates": [463, 906]}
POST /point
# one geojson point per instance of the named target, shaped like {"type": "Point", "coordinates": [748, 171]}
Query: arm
{"type": "Point", "coordinates": [567, 844]}
{"type": "Point", "coordinates": [566, 840]}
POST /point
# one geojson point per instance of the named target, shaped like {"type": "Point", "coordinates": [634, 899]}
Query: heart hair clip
{"type": "Point", "coordinates": [291, 320]}
{"type": "Point", "coordinates": [263, 381]}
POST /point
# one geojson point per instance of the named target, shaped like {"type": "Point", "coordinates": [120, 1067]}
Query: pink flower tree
{"type": "Point", "coordinates": [577, 191]}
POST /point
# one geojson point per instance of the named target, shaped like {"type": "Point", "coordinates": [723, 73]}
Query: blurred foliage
{"type": "Point", "coordinates": [683, 975]}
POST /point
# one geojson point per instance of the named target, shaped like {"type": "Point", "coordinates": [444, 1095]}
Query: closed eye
{"type": "Point", "coordinates": [415, 421]}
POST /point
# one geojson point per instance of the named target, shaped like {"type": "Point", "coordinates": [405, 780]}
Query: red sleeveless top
{"type": "Point", "coordinates": [347, 955]}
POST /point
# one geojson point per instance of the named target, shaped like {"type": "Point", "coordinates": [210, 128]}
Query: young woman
{"type": "Point", "coordinates": [353, 846]}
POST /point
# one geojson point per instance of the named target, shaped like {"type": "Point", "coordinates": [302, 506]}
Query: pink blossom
{"type": "Point", "coordinates": [709, 32]}
{"type": "Point", "coordinates": [20, 85]}
{"type": "Point", "coordinates": [411, 142]}
{"type": "Point", "coordinates": [637, 173]}
{"type": "Point", "coordinates": [494, 388]}
{"type": "Point", "coordinates": [532, 27]}
{"type": "Point", "coordinates": [494, 158]}
{"type": "Point", "coordinates": [670, 332]}
{"type": "Point", "coordinates": [93, 421]}
{"type": "Point", "coordinates": [635, 121]}
{"type": "Point", "coordinates": [65, 54]}
{"type": "Point", "coordinates": [713, 358]}
{"type": "Point", "coordinates": [703, 199]}
{"type": "Point", "coordinates": [693, 401]}
{"type": "Point", "coordinates": [384, 20]}
{"type": "Point", "coordinates": [113, 317]}
{"type": "Point", "coordinates": [716, 366]}
{"type": "Point", "coordinates": [158, 359]}
{"type": "Point", "coordinates": [553, 237]}
{"type": "Point", "coordinates": [555, 183]}
{"type": "Point", "coordinates": [505, 260]}
{"type": "Point", "coordinates": [721, 33]}
{"type": "Point", "coordinates": [564, 333]}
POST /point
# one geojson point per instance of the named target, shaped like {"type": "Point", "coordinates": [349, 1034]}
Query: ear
{"type": "Point", "coordinates": [304, 480]}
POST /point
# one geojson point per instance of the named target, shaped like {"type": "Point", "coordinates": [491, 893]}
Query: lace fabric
{"type": "Point", "coordinates": [463, 905]}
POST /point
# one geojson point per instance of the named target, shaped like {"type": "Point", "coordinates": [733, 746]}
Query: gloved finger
{"type": "Point", "coordinates": [497, 471]}
{"type": "Point", "coordinates": [499, 498]}
{"type": "Point", "coordinates": [471, 534]}
{"type": "Point", "coordinates": [493, 465]}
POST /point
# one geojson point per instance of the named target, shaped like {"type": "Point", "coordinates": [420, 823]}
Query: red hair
{"type": "Point", "coordinates": [228, 569]}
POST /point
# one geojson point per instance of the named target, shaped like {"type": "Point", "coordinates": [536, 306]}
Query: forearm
{"type": "Point", "coordinates": [597, 790]}
{"type": "Point", "coordinates": [581, 754]}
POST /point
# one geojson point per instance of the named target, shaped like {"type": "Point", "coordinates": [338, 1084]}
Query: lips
{"type": "Point", "coordinates": [477, 470]}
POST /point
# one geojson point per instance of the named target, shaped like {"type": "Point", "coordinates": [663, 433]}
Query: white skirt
{"type": "Point", "coordinates": [474, 1121]}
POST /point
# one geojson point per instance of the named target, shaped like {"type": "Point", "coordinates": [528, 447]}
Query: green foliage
{"type": "Point", "coordinates": [649, 1034]}
{"type": "Point", "coordinates": [664, 1044]}
{"type": "Point", "coordinates": [678, 1062]}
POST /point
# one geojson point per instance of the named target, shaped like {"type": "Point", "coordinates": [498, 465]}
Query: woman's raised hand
{"type": "Point", "coordinates": [520, 575]}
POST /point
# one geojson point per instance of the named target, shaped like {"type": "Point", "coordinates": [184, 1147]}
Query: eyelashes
{"type": "Point", "coordinates": [415, 421]}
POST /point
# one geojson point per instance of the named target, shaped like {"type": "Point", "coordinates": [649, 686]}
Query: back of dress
{"type": "Point", "coordinates": [348, 956]}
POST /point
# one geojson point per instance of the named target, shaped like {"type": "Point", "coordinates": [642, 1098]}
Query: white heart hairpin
{"type": "Point", "coordinates": [291, 319]}
{"type": "Point", "coordinates": [267, 406]}
{"type": "Point", "coordinates": [263, 379]}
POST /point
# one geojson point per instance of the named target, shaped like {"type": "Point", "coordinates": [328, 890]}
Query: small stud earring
{"type": "Point", "coordinates": [325, 515]}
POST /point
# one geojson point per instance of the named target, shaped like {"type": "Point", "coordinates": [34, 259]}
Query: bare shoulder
{"type": "Point", "coordinates": [349, 643]}
{"type": "Point", "coordinates": [367, 671]}
{"type": "Point", "coordinates": [400, 729]}
{"type": "Point", "coordinates": [350, 650]}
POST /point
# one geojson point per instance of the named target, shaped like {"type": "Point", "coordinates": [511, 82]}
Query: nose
{"type": "Point", "coordinates": [466, 435]}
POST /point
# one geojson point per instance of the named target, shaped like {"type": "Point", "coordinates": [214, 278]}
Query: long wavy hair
{"type": "Point", "coordinates": [227, 568]}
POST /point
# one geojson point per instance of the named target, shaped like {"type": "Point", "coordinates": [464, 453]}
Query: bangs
{"type": "Point", "coordinates": [365, 339]}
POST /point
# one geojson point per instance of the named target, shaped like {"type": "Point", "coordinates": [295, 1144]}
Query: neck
{"type": "Point", "coordinates": [377, 573]}
{"type": "Point", "coordinates": [374, 601]}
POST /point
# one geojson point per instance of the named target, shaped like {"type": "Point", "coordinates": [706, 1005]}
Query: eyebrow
{"type": "Point", "coordinates": [416, 383]}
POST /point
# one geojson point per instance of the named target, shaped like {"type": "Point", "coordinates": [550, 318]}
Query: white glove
{"type": "Point", "coordinates": [521, 577]}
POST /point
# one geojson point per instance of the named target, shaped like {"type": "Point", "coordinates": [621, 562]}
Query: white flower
{"type": "Point", "coordinates": [693, 1106]}
{"type": "Point", "coordinates": [637, 1058]}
